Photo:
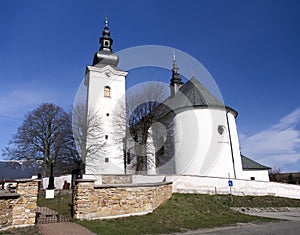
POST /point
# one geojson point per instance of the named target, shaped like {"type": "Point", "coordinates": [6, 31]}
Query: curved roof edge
{"type": "Point", "coordinates": [225, 108]}
{"type": "Point", "coordinates": [231, 110]}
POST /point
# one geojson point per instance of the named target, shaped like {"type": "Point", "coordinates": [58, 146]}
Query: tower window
{"type": "Point", "coordinates": [107, 114]}
{"type": "Point", "coordinates": [107, 91]}
{"type": "Point", "coordinates": [106, 43]}
{"type": "Point", "coordinates": [106, 159]}
{"type": "Point", "coordinates": [128, 158]}
{"type": "Point", "coordinates": [106, 137]}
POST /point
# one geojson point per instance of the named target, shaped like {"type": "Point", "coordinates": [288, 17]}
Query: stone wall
{"type": "Point", "coordinates": [101, 179]}
{"type": "Point", "coordinates": [19, 209]}
{"type": "Point", "coordinates": [116, 179]}
{"type": "Point", "coordinates": [7, 200]}
{"type": "Point", "coordinates": [113, 201]}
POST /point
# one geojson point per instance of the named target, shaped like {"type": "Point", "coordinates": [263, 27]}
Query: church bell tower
{"type": "Point", "coordinates": [175, 82]}
{"type": "Point", "coordinates": [105, 84]}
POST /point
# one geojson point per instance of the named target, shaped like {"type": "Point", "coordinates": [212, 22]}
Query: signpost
{"type": "Point", "coordinates": [230, 185]}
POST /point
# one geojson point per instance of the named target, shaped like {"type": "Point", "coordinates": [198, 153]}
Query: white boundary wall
{"type": "Point", "coordinates": [214, 185]}
{"type": "Point", "coordinates": [205, 185]}
{"type": "Point", "coordinates": [58, 181]}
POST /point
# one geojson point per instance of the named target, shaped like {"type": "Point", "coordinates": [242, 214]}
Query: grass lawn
{"type": "Point", "coordinates": [181, 213]}
{"type": "Point", "coordinates": [265, 201]}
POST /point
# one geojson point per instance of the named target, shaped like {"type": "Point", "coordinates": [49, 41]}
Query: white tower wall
{"type": "Point", "coordinates": [111, 109]}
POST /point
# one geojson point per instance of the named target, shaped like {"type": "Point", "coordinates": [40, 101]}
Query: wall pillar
{"type": "Point", "coordinates": [19, 209]}
{"type": "Point", "coordinates": [24, 211]}
{"type": "Point", "coordinates": [85, 201]}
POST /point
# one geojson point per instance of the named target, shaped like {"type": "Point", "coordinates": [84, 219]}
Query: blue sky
{"type": "Point", "coordinates": [251, 48]}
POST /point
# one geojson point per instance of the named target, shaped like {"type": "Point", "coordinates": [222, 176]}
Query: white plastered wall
{"type": "Point", "coordinates": [235, 145]}
{"type": "Point", "coordinates": [218, 185]}
{"type": "Point", "coordinates": [113, 127]}
{"type": "Point", "coordinates": [200, 149]}
{"type": "Point", "coordinates": [262, 175]}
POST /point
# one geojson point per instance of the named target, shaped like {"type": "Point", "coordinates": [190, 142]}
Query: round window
{"type": "Point", "coordinates": [221, 130]}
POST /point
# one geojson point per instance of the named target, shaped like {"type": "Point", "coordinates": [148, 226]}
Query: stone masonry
{"type": "Point", "coordinates": [7, 201]}
{"type": "Point", "coordinates": [116, 179]}
{"type": "Point", "coordinates": [19, 209]}
{"type": "Point", "coordinates": [113, 201]}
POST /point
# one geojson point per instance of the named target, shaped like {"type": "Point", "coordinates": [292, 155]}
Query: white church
{"type": "Point", "coordinates": [201, 137]}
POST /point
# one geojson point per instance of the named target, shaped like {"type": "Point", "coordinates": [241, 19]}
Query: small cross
{"type": "Point", "coordinates": [106, 20]}
{"type": "Point", "coordinates": [174, 56]}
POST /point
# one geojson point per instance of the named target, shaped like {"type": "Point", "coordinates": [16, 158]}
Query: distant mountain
{"type": "Point", "coordinates": [18, 169]}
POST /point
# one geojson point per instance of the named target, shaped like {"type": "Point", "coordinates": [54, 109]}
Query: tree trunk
{"type": "Point", "coordinates": [51, 177]}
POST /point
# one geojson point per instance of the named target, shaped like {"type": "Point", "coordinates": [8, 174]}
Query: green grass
{"type": "Point", "coordinates": [265, 201]}
{"type": "Point", "coordinates": [182, 212]}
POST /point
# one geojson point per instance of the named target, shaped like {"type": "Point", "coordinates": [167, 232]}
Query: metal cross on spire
{"type": "Point", "coordinates": [174, 57]}
{"type": "Point", "coordinates": [106, 21]}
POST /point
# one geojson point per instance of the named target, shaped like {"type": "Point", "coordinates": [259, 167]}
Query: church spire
{"type": "Point", "coordinates": [106, 41]}
{"type": "Point", "coordinates": [175, 82]}
{"type": "Point", "coordinates": [105, 56]}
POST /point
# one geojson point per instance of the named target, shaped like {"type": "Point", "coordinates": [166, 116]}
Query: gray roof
{"type": "Point", "coordinates": [198, 95]}
{"type": "Point", "coordinates": [249, 164]}
{"type": "Point", "coordinates": [191, 95]}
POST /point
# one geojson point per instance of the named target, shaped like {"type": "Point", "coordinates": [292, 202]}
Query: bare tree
{"type": "Point", "coordinates": [44, 135]}
{"type": "Point", "coordinates": [88, 132]}
{"type": "Point", "coordinates": [143, 106]}
{"type": "Point", "coordinates": [274, 174]}
{"type": "Point", "coordinates": [73, 160]}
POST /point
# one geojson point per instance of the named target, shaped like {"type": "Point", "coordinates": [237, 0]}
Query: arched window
{"type": "Point", "coordinates": [106, 91]}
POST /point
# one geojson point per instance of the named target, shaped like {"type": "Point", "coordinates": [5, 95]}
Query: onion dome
{"type": "Point", "coordinates": [105, 56]}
